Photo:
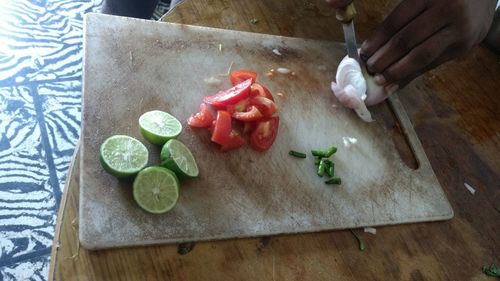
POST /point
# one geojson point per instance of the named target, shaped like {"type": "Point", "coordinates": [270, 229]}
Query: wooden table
{"type": "Point", "coordinates": [459, 127]}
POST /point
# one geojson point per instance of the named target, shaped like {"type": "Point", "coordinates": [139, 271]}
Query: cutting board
{"type": "Point", "coordinates": [133, 66]}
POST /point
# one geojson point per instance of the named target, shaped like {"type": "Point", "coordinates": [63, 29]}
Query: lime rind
{"type": "Point", "coordinates": [123, 156]}
{"type": "Point", "coordinates": [158, 126]}
{"type": "Point", "coordinates": [177, 157]}
{"type": "Point", "coordinates": [156, 190]}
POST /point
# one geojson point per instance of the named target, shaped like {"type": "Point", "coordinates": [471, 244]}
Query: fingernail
{"type": "Point", "coordinates": [390, 89]}
{"type": "Point", "coordinates": [380, 79]}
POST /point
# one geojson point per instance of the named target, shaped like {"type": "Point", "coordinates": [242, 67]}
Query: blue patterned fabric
{"type": "Point", "coordinates": [40, 98]}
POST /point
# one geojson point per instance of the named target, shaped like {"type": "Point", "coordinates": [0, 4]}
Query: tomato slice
{"type": "Point", "coordinates": [235, 141]}
{"type": "Point", "coordinates": [252, 114]}
{"type": "Point", "coordinates": [259, 90]}
{"type": "Point", "coordinates": [222, 128]}
{"type": "Point", "coordinates": [264, 134]}
{"type": "Point", "coordinates": [238, 76]}
{"type": "Point", "coordinates": [231, 96]}
{"type": "Point", "coordinates": [266, 106]}
{"type": "Point", "coordinates": [240, 106]}
{"type": "Point", "coordinates": [248, 127]}
{"type": "Point", "coordinates": [202, 119]}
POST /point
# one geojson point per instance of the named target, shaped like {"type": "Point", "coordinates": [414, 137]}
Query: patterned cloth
{"type": "Point", "coordinates": [40, 98]}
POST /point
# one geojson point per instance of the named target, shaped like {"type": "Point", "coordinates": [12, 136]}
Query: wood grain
{"type": "Point", "coordinates": [456, 118]}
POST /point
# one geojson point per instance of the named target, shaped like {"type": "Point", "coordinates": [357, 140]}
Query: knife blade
{"type": "Point", "coordinates": [346, 17]}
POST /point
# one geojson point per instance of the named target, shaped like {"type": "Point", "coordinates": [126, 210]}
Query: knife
{"type": "Point", "coordinates": [346, 17]}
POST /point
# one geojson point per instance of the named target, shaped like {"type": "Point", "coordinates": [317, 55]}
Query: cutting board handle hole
{"type": "Point", "coordinates": [402, 144]}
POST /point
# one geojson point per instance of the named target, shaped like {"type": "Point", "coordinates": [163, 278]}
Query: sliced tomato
{"type": "Point", "coordinates": [248, 127]}
{"type": "Point", "coordinates": [231, 96]}
{"type": "Point", "coordinates": [266, 106]}
{"type": "Point", "coordinates": [264, 134]}
{"type": "Point", "coordinates": [202, 119]}
{"type": "Point", "coordinates": [222, 128]}
{"type": "Point", "coordinates": [238, 76]}
{"type": "Point", "coordinates": [234, 141]}
{"type": "Point", "coordinates": [212, 127]}
{"type": "Point", "coordinates": [252, 114]}
{"type": "Point", "coordinates": [259, 90]}
{"type": "Point", "coordinates": [240, 106]}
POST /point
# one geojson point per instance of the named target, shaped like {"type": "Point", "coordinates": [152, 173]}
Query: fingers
{"type": "Point", "coordinates": [339, 4]}
{"type": "Point", "coordinates": [416, 32]}
{"type": "Point", "coordinates": [404, 13]}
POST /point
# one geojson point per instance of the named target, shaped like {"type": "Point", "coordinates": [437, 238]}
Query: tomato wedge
{"type": "Point", "coordinates": [238, 76]}
{"type": "Point", "coordinates": [231, 96]}
{"type": "Point", "coordinates": [252, 114]}
{"type": "Point", "coordinates": [240, 106]}
{"type": "Point", "coordinates": [266, 106]}
{"type": "Point", "coordinates": [259, 90]}
{"type": "Point", "coordinates": [264, 134]}
{"type": "Point", "coordinates": [234, 141]}
{"type": "Point", "coordinates": [222, 128]}
{"type": "Point", "coordinates": [202, 119]}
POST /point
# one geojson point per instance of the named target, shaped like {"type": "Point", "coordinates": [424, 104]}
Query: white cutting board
{"type": "Point", "coordinates": [133, 66]}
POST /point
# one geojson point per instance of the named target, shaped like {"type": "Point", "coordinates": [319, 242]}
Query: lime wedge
{"type": "Point", "coordinates": [178, 158]}
{"type": "Point", "coordinates": [158, 126]}
{"type": "Point", "coordinates": [123, 156]}
{"type": "Point", "coordinates": [156, 189]}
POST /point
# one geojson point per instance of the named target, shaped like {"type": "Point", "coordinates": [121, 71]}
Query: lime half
{"type": "Point", "coordinates": [178, 158]}
{"type": "Point", "coordinates": [156, 189]}
{"type": "Point", "coordinates": [123, 156]}
{"type": "Point", "coordinates": [158, 126]}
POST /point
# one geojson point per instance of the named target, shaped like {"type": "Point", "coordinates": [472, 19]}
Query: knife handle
{"type": "Point", "coordinates": [347, 14]}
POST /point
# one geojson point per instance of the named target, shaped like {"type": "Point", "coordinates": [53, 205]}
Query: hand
{"type": "Point", "coordinates": [420, 35]}
{"type": "Point", "coordinates": [339, 4]}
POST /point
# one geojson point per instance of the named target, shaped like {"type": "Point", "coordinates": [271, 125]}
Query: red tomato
{"type": "Point", "coordinates": [231, 96]}
{"type": "Point", "coordinates": [248, 127]}
{"type": "Point", "coordinates": [264, 134]}
{"type": "Point", "coordinates": [238, 76]}
{"type": "Point", "coordinates": [212, 127]}
{"type": "Point", "coordinates": [222, 128]}
{"type": "Point", "coordinates": [252, 114]}
{"type": "Point", "coordinates": [259, 90]}
{"type": "Point", "coordinates": [234, 141]}
{"type": "Point", "coordinates": [266, 106]}
{"type": "Point", "coordinates": [240, 106]}
{"type": "Point", "coordinates": [202, 119]}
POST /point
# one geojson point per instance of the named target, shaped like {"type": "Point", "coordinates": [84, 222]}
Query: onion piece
{"type": "Point", "coordinates": [370, 230]}
{"type": "Point", "coordinates": [283, 70]}
{"type": "Point", "coordinates": [348, 141]}
{"type": "Point", "coordinates": [277, 52]}
{"type": "Point", "coordinates": [471, 189]}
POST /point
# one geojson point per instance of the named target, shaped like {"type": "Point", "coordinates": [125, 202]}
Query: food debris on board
{"type": "Point", "coordinates": [370, 230]}
{"type": "Point", "coordinates": [254, 21]}
{"type": "Point", "coordinates": [348, 141]}
{"type": "Point", "coordinates": [284, 70]}
{"type": "Point", "coordinates": [361, 244]}
{"type": "Point", "coordinates": [213, 81]}
{"type": "Point", "coordinates": [277, 52]}
{"type": "Point", "coordinates": [471, 189]}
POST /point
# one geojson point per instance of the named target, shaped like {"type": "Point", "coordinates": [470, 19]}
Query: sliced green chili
{"type": "Point", "coordinates": [331, 168]}
{"type": "Point", "coordinates": [321, 168]}
{"type": "Point", "coordinates": [297, 154]}
{"type": "Point", "coordinates": [334, 181]}
{"type": "Point", "coordinates": [319, 153]}
{"type": "Point", "coordinates": [330, 151]}
{"type": "Point", "coordinates": [360, 241]}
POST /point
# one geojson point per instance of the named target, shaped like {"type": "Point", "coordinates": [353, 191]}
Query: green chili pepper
{"type": "Point", "coordinates": [334, 181]}
{"type": "Point", "coordinates": [297, 154]}
{"type": "Point", "coordinates": [321, 168]}
{"type": "Point", "coordinates": [319, 153]}
{"type": "Point", "coordinates": [330, 151]}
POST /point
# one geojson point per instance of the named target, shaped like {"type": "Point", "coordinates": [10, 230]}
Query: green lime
{"type": "Point", "coordinates": [158, 126]}
{"type": "Point", "coordinates": [156, 189]}
{"type": "Point", "coordinates": [177, 157]}
{"type": "Point", "coordinates": [123, 156]}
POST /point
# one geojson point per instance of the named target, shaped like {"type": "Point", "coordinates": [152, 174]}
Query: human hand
{"type": "Point", "coordinates": [420, 35]}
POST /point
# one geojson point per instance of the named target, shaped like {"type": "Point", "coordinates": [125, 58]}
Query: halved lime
{"type": "Point", "coordinates": [156, 189]}
{"type": "Point", "coordinates": [123, 156]}
{"type": "Point", "coordinates": [178, 158]}
{"type": "Point", "coordinates": [158, 126]}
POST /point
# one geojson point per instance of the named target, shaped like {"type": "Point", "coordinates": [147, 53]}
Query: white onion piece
{"type": "Point", "coordinates": [213, 81]}
{"type": "Point", "coordinates": [283, 70]}
{"type": "Point", "coordinates": [277, 52]}
{"type": "Point", "coordinates": [471, 189]}
{"type": "Point", "coordinates": [370, 230]}
{"type": "Point", "coordinates": [348, 141]}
